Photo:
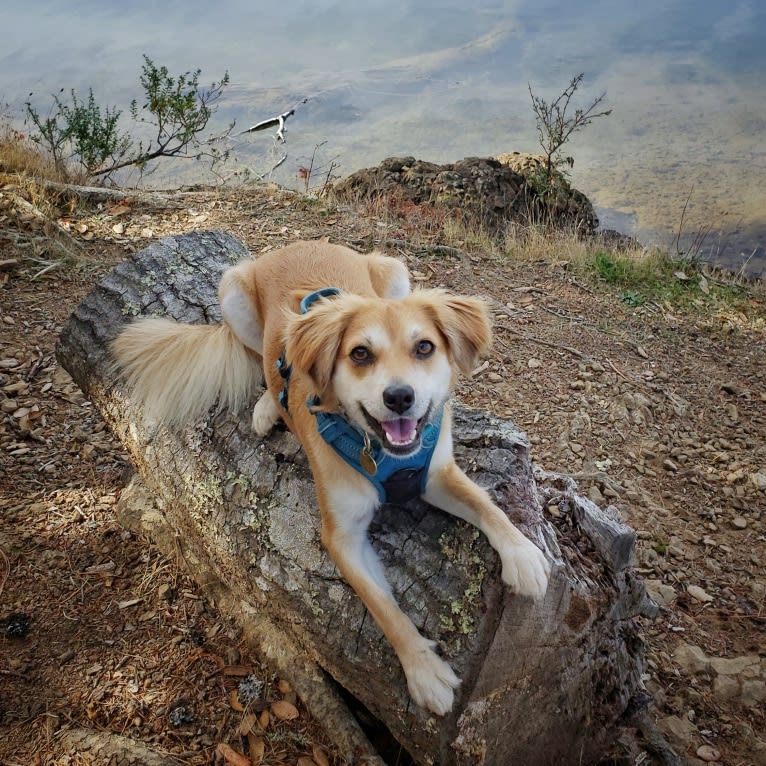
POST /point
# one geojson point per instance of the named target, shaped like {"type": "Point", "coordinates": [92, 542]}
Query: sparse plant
{"type": "Point", "coordinates": [326, 169]}
{"type": "Point", "coordinates": [610, 267]}
{"type": "Point", "coordinates": [555, 126]}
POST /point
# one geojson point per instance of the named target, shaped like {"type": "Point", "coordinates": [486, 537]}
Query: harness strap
{"type": "Point", "coordinates": [397, 479]}
{"type": "Point", "coordinates": [285, 369]}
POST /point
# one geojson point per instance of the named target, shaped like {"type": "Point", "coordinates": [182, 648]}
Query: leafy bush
{"type": "Point", "coordinates": [177, 108]}
{"type": "Point", "coordinates": [80, 130]}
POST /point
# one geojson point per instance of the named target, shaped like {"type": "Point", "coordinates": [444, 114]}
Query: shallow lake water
{"type": "Point", "coordinates": [684, 148]}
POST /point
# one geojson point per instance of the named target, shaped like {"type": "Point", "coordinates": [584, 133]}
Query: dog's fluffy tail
{"type": "Point", "coordinates": [178, 371]}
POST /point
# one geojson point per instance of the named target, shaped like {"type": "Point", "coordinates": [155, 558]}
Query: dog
{"type": "Point", "coordinates": [360, 368]}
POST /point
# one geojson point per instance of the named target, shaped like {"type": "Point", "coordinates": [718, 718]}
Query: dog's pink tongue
{"type": "Point", "coordinates": [400, 430]}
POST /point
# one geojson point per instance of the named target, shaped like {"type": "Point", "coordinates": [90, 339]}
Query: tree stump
{"type": "Point", "coordinates": [541, 683]}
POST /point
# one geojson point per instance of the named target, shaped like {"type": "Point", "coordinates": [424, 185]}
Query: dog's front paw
{"type": "Point", "coordinates": [431, 680]}
{"type": "Point", "coordinates": [265, 415]}
{"type": "Point", "coordinates": [526, 570]}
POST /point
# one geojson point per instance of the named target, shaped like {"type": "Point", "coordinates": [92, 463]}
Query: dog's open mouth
{"type": "Point", "coordinates": [398, 435]}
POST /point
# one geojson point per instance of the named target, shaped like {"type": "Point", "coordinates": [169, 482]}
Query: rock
{"type": "Point", "coordinates": [722, 666]}
{"type": "Point", "coordinates": [708, 753]}
{"type": "Point", "coordinates": [753, 692]}
{"type": "Point", "coordinates": [726, 688]}
{"type": "Point", "coordinates": [479, 189]}
{"type": "Point", "coordinates": [523, 163]}
{"type": "Point", "coordinates": [594, 493]}
{"type": "Point", "coordinates": [681, 730]}
{"type": "Point", "coordinates": [690, 658]}
{"type": "Point", "coordinates": [661, 594]}
{"type": "Point", "coordinates": [758, 480]}
{"type": "Point", "coordinates": [698, 594]}
{"type": "Point", "coordinates": [739, 522]}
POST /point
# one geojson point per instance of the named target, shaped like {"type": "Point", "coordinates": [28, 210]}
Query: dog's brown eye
{"type": "Point", "coordinates": [361, 354]}
{"type": "Point", "coordinates": [424, 349]}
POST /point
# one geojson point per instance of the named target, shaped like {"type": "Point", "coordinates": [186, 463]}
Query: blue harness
{"type": "Point", "coordinates": [397, 479]}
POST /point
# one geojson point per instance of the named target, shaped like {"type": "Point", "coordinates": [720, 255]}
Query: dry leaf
{"type": "Point", "coordinates": [320, 756]}
{"type": "Point", "coordinates": [234, 701]}
{"type": "Point", "coordinates": [240, 671]}
{"type": "Point", "coordinates": [284, 710]}
{"type": "Point", "coordinates": [231, 756]}
{"type": "Point", "coordinates": [257, 748]}
{"type": "Point", "coordinates": [264, 719]}
{"type": "Point", "coordinates": [284, 686]}
{"type": "Point", "coordinates": [247, 724]}
{"type": "Point", "coordinates": [304, 760]}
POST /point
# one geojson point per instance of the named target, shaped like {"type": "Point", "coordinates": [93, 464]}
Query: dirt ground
{"type": "Point", "coordinates": [654, 409]}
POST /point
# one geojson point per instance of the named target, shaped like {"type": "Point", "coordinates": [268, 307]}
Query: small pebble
{"type": "Point", "coordinates": [698, 594]}
{"type": "Point", "coordinates": [707, 753]}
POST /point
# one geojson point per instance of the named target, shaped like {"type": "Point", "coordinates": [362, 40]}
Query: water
{"type": "Point", "coordinates": [684, 149]}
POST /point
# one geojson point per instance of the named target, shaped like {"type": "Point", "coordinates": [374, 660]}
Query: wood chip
{"type": "Point", "coordinates": [284, 710]}
{"type": "Point", "coordinates": [231, 756]}
{"type": "Point", "coordinates": [126, 604]}
{"type": "Point", "coordinates": [238, 671]}
{"type": "Point", "coordinates": [256, 747]}
{"type": "Point", "coordinates": [234, 701]}
{"type": "Point", "coordinates": [247, 724]}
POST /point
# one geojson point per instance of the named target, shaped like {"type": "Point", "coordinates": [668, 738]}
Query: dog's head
{"type": "Point", "coordinates": [390, 364]}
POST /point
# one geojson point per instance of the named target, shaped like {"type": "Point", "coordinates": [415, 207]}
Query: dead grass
{"type": "Point", "coordinates": [20, 156]}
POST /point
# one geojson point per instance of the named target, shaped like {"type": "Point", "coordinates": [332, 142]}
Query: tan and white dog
{"type": "Point", "coordinates": [373, 358]}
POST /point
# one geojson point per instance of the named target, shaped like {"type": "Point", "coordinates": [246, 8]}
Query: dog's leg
{"type": "Point", "coordinates": [430, 679]}
{"type": "Point", "coordinates": [525, 568]}
{"type": "Point", "coordinates": [265, 414]}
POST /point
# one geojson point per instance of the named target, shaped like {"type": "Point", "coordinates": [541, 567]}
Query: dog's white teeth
{"type": "Point", "coordinates": [400, 431]}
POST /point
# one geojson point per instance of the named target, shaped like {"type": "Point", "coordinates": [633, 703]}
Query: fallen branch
{"type": "Point", "coordinates": [48, 223]}
{"type": "Point", "coordinates": [96, 194]}
{"type": "Point", "coordinates": [540, 341]}
{"type": "Point", "coordinates": [104, 747]}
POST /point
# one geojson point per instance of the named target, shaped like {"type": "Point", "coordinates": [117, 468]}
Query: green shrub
{"type": "Point", "coordinates": [177, 109]}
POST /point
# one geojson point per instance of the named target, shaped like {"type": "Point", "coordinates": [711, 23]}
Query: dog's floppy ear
{"type": "Point", "coordinates": [313, 339]}
{"type": "Point", "coordinates": [466, 325]}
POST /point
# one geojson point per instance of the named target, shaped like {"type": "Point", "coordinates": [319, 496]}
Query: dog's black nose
{"type": "Point", "coordinates": [399, 398]}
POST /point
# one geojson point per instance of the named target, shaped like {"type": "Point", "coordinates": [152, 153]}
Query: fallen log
{"type": "Point", "coordinates": [114, 749]}
{"type": "Point", "coordinates": [541, 683]}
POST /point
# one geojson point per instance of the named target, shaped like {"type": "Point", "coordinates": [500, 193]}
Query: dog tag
{"type": "Point", "coordinates": [366, 460]}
